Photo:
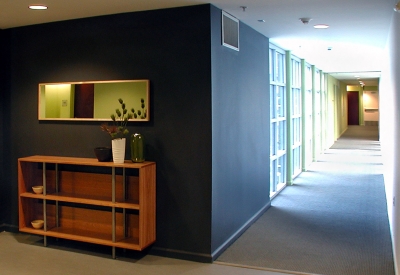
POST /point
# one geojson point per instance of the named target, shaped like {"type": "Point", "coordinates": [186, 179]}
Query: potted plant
{"type": "Point", "coordinates": [118, 131]}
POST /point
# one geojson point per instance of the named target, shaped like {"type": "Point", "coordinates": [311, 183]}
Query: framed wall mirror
{"type": "Point", "coordinates": [92, 100]}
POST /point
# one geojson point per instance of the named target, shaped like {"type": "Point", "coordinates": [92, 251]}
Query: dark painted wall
{"type": "Point", "coordinates": [171, 48]}
{"type": "Point", "coordinates": [2, 112]}
{"type": "Point", "coordinates": [209, 114]}
{"type": "Point", "coordinates": [240, 131]}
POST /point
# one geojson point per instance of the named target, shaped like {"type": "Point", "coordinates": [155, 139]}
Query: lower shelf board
{"type": "Point", "coordinates": [86, 236]}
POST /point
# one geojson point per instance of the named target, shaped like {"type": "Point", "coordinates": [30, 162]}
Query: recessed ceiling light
{"type": "Point", "coordinates": [321, 26]}
{"type": "Point", "coordinates": [38, 7]}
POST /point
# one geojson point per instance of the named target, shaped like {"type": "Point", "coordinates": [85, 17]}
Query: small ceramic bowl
{"type": "Point", "coordinates": [103, 153]}
{"type": "Point", "coordinates": [37, 224]}
{"type": "Point", "coordinates": [37, 189]}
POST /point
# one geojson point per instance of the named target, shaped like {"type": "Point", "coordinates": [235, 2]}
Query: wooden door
{"type": "Point", "coordinates": [353, 108]}
{"type": "Point", "coordinates": [84, 100]}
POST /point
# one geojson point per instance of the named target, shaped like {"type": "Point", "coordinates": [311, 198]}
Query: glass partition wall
{"type": "Point", "coordinates": [278, 129]}
{"type": "Point", "coordinates": [307, 115]}
{"type": "Point", "coordinates": [297, 109]}
{"type": "Point", "coordinates": [296, 116]}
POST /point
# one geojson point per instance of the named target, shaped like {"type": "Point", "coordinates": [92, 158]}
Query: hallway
{"type": "Point", "coordinates": [332, 221]}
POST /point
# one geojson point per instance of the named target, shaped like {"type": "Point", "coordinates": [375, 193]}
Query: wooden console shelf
{"type": "Point", "coordinates": [89, 201]}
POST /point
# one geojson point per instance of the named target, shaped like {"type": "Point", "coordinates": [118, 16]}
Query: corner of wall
{"type": "Point", "coordinates": [389, 120]}
{"type": "Point", "coordinates": [3, 69]}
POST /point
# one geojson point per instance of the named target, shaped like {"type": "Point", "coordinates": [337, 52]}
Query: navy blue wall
{"type": "Point", "coordinates": [209, 114]}
{"type": "Point", "coordinates": [171, 48]}
{"type": "Point", "coordinates": [2, 109]}
{"type": "Point", "coordinates": [240, 132]}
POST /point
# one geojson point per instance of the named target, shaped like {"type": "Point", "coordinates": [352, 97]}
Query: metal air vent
{"type": "Point", "coordinates": [230, 31]}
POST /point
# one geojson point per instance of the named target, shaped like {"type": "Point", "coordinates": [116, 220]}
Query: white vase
{"type": "Point", "coordinates": [118, 150]}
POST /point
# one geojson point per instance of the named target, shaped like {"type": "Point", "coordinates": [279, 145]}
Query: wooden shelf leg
{"type": "Point", "coordinates": [113, 212]}
{"type": "Point", "coordinates": [124, 196]}
{"type": "Point", "coordinates": [113, 232]}
{"type": "Point", "coordinates": [44, 205]}
{"type": "Point", "coordinates": [57, 182]}
{"type": "Point", "coordinates": [113, 185]}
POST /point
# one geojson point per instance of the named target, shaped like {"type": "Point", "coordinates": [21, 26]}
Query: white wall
{"type": "Point", "coordinates": [390, 130]}
{"type": "Point", "coordinates": [371, 105]}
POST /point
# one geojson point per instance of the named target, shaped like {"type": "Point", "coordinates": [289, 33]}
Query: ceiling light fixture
{"type": "Point", "coordinates": [305, 20]}
{"type": "Point", "coordinates": [397, 7]}
{"type": "Point", "coordinates": [321, 26]}
{"type": "Point", "coordinates": [38, 7]}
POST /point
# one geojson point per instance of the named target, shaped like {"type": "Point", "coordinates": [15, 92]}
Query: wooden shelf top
{"type": "Point", "coordinates": [84, 161]}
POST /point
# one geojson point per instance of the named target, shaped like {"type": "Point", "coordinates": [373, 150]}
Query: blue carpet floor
{"type": "Point", "coordinates": [332, 221]}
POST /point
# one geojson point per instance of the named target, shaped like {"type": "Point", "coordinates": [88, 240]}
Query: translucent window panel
{"type": "Point", "coordinates": [278, 131]}
{"type": "Point", "coordinates": [273, 147]}
{"type": "Point", "coordinates": [296, 73]}
{"type": "Point", "coordinates": [271, 64]}
{"type": "Point", "coordinates": [274, 179]}
{"type": "Point", "coordinates": [308, 118]}
{"type": "Point", "coordinates": [308, 74]}
{"type": "Point", "coordinates": [317, 137]}
{"type": "Point", "coordinates": [317, 81]}
{"type": "Point", "coordinates": [278, 174]}
{"type": "Point", "coordinates": [280, 67]}
{"type": "Point", "coordinates": [318, 104]}
{"type": "Point", "coordinates": [277, 65]}
{"type": "Point", "coordinates": [281, 171]}
{"type": "Point", "coordinates": [296, 101]}
{"type": "Point", "coordinates": [296, 160]}
{"type": "Point", "coordinates": [296, 131]}
{"type": "Point", "coordinates": [281, 137]}
{"type": "Point", "coordinates": [280, 101]}
{"type": "Point", "coordinates": [318, 93]}
{"type": "Point", "coordinates": [273, 104]}
{"type": "Point", "coordinates": [296, 116]}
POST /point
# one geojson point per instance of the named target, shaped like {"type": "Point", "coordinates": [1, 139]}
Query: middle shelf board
{"type": "Point", "coordinates": [99, 201]}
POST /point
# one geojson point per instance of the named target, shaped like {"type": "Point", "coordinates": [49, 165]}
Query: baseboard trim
{"type": "Point", "coordinates": [265, 269]}
{"type": "Point", "coordinates": [217, 252]}
{"type": "Point", "coordinates": [9, 228]}
{"type": "Point", "coordinates": [208, 258]}
{"type": "Point", "coordinates": [181, 254]}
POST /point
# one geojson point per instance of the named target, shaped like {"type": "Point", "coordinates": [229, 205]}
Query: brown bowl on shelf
{"type": "Point", "coordinates": [37, 189]}
{"type": "Point", "coordinates": [37, 224]}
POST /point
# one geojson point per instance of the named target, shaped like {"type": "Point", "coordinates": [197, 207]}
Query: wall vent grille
{"type": "Point", "coordinates": [230, 31]}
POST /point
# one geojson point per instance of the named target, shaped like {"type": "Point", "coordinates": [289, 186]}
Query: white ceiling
{"type": "Point", "coordinates": [357, 34]}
